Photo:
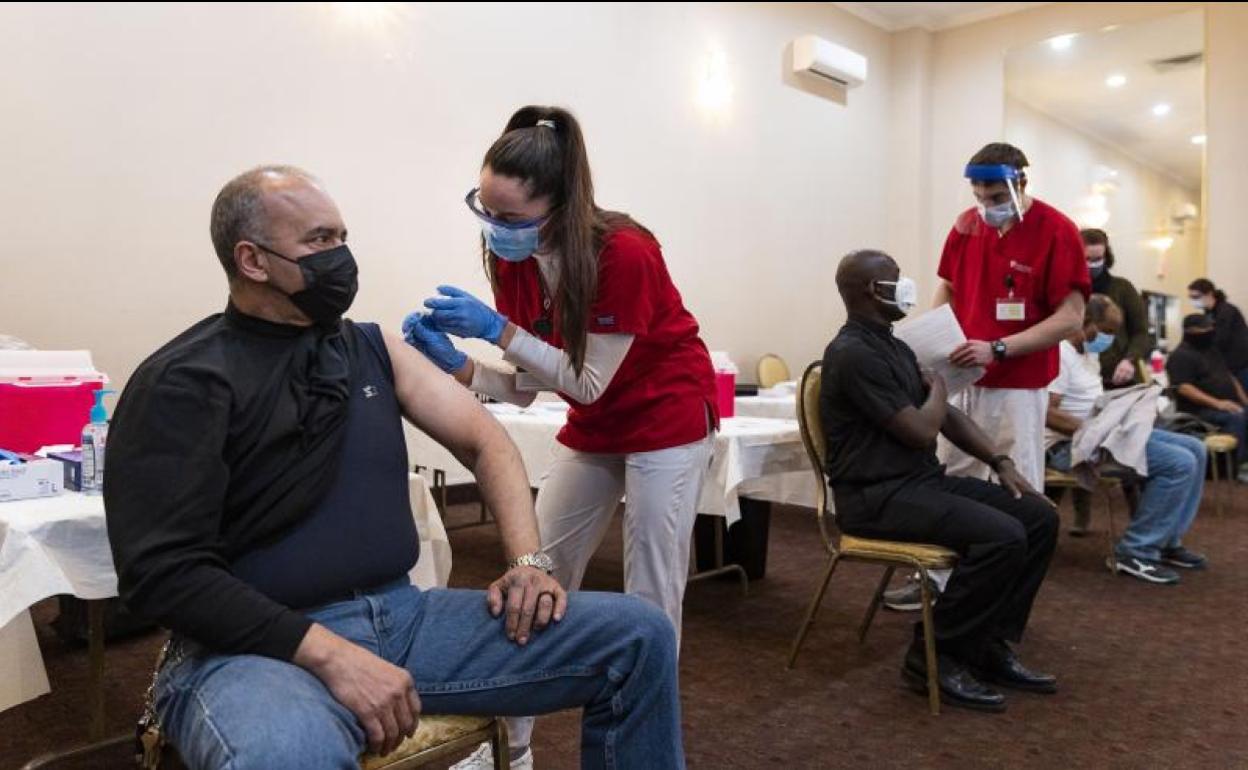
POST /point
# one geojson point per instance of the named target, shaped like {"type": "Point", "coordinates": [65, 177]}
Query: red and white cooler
{"type": "Point", "coordinates": [45, 397]}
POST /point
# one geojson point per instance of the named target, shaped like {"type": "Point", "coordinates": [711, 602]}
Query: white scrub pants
{"type": "Point", "coordinates": [576, 501]}
{"type": "Point", "coordinates": [1013, 418]}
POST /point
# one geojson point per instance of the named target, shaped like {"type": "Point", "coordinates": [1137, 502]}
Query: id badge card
{"type": "Point", "coordinates": [1011, 309]}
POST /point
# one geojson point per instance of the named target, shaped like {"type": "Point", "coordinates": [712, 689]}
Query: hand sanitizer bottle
{"type": "Point", "coordinates": [94, 438]}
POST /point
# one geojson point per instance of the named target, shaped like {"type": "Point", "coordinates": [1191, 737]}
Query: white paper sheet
{"type": "Point", "coordinates": [933, 336]}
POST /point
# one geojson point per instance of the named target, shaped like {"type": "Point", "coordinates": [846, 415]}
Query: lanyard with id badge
{"type": "Point", "coordinates": [544, 327]}
{"type": "Point", "coordinates": [1011, 307]}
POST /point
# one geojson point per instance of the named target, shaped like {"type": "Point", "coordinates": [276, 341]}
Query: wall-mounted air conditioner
{"type": "Point", "coordinates": [815, 57]}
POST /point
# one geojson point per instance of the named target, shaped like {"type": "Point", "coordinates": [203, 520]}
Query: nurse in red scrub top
{"type": "Point", "coordinates": [584, 306]}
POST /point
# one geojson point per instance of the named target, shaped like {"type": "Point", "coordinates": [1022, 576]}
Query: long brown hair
{"type": "Point", "coordinates": [550, 158]}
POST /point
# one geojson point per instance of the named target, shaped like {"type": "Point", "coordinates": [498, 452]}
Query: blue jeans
{"type": "Point", "coordinates": [613, 655]}
{"type": "Point", "coordinates": [1170, 496]}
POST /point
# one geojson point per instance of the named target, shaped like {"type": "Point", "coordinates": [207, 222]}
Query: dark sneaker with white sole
{"type": "Point", "coordinates": [1183, 558]}
{"type": "Point", "coordinates": [909, 597]}
{"type": "Point", "coordinates": [1143, 569]}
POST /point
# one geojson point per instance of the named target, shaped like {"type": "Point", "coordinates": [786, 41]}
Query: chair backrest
{"type": "Point", "coordinates": [772, 370]}
{"type": "Point", "coordinates": [808, 419]}
{"type": "Point", "coordinates": [810, 425]}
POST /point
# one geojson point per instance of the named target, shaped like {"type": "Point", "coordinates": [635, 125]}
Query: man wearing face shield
{"type": "Point", "coordinates": [1014, 271]}
{"type": "Point", "coordinates": [258, 508]}
{"type": "Point", "coordinates": [881, 417]}
{"type": "Point", "coordinates": [1205, 387]}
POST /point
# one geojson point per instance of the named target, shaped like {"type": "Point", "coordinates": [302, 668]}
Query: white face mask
{"type": "Point", "coordinates": [1199, 303]}
{"type": "Point", "coordinates": [905, 293]}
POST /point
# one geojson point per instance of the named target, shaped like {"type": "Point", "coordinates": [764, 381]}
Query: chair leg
{"type": "Point", "coordinates": [1228, 483]}
{"type": "Point", "coordinates": [929, 644]}
{"type": "Point", "coordinates": [1217, 488]}
{"type": "Point", "coordinates": [814, 607]}
{"type": "Point", "coordinates": [498, 745]}
{"type": "Point", "coordinates": [1110, 535]}
{"type": "Point", "coordinates": [875, 604]}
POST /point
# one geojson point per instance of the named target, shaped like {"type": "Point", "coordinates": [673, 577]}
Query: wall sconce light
{"type": "Point", "coordinates": [714, 92]}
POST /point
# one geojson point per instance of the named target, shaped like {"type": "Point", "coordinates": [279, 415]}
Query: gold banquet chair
{"type": "Point", "coordinates": [886, 553]}
{"type": "Point", "coordinates": [437, 737]}
{"type": "Point", "coordinates": [772, 370]}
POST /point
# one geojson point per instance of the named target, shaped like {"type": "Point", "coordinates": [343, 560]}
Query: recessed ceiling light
{"type": "Point", "coordinates": [1198, 139]}
{"type": "Point", "coordinates": [1109, 28]}
{"type": "Point", "coordinates": [1116, 81]}
{"type": "Point", "coordinates": [1161, 110]}
{"type": "Point", "coordinates": [1061, 42]}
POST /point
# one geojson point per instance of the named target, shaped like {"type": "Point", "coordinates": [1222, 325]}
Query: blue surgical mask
{"type": "Point", "coordinates": [998, 215]}
{"type": "Point", "coordinates": [510, 241]}
{"type": "Point", "coordinates": [511, 245]}
{"type": "Point", "coordinates": [1096, 268]}
{"type": "Point", "coordinates": [1100, 343]}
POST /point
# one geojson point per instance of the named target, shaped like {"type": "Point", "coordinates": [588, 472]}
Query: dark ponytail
{"type": "Point", "coordinates": [544, 147]}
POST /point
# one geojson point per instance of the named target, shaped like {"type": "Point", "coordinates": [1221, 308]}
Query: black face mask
{"type": "Point", "coordinates": [330, 280]}
{"type": "Point", "coordinates": [1199, 341]}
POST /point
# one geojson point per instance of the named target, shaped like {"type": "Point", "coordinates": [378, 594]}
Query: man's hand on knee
{"type": "Point", "coordinates": [1014, 482]}
{"type": "Point", "coordinates": [531, 598]}
{"type": "Point", "coordinates": [380, 694]}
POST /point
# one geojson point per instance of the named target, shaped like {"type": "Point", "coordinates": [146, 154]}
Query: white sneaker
{"type": "Point", "coordinates": [483, 759]}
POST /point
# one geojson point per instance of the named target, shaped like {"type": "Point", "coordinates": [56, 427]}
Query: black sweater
{"type": "Point", "coordinates": [224, 439]}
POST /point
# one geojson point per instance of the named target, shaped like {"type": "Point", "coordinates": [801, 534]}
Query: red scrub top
{"type": "Point", "coordinates": [660, 396]}
{"type": "Point", "coordinates": [1040, 257]}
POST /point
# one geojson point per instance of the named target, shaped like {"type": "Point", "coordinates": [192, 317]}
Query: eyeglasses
{"type": "Point", "coordinates": [473, 201]}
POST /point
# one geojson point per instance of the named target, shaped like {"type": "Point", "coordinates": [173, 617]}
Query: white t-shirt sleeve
{"type": "Point", "coordinates": [1067, 358]}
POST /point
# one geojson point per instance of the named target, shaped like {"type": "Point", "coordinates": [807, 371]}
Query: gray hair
{"type": "Point", "coordinates": [238, 212]}
{"type": "Point", "coordinates": [1099, 309]}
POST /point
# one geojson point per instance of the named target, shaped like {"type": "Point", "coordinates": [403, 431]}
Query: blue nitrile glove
{"type": "Point", "coordinates": [419, 332]}
{"type": "Point", "coordinates": [458, 312]}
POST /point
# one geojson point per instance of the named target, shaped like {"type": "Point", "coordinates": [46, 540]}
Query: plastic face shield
{"type": "Point", "coordinates": [991, 173]}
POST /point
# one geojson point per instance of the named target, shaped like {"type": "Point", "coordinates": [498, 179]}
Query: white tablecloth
{"type": "Point", "coordinates": [754, 457]}
{"type": "Point", "coordinates": [765, 404]}
{"type": "Point", "coordinates": [59, 545]}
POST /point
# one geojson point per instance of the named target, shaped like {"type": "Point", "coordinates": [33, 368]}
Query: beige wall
{"type": "Point", "coordinates": [122, 121]}
{"type": "Point", "coordinates": [1226, 153]}
{"type": "Point", "coordinates": [1064, 171]}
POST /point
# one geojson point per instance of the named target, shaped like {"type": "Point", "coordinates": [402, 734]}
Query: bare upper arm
{"type": "Point", "coordinates": [436, 404]}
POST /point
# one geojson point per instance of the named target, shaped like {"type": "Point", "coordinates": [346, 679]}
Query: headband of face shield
{"type": "Point", "coordinates": [510, 241]}
{"type": "Point", "coordinates": [905, 293]}
{"type": "Point", "coordinates": [1000, 214]}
